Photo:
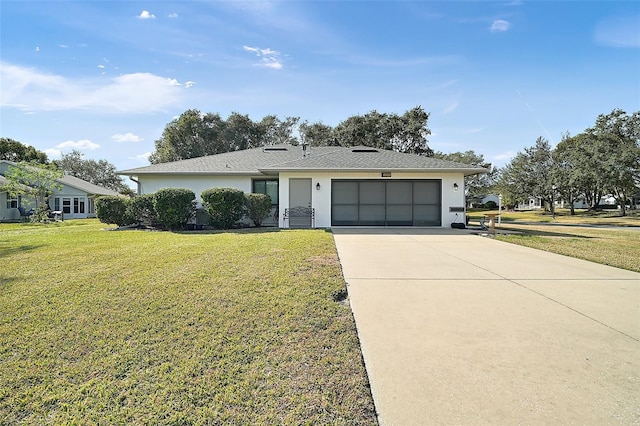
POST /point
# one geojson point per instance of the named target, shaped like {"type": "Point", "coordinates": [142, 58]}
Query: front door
{"type": "Point", "coordinates": [300, 196]}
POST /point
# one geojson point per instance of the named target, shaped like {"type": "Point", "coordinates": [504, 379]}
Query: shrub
{"type": "Point", "coordinates": [41, 214]}
{"type": "Point", "coordinates": [141, 209]}
{"type": "Point", "coordinates": [174, 207]}
{"type": "Point", "coordinates": [491, 205]}
{"type": "Point", "coordinates": [225, 206]}
{"type": "Point", "coordinates": [258, 207]}
{"type": "Point", "coordinates": [113, 209]}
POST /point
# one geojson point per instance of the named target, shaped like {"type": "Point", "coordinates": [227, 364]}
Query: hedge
{"type": "Point", "coordinates": [174, 207]}
{"type": "Point", "coordinates": [225, 206]}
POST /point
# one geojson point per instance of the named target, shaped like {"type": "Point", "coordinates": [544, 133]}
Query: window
{"type": "Point", "coordinates": [13, 202]}
{"type": "Point", "coordinates": [76, 205]}
{"type": "Point", "coordinates": [56, 204]}
{"type": "Point", "coordinates": [267, 187]}
{"type": "Point", "coordinates": [66, 205]}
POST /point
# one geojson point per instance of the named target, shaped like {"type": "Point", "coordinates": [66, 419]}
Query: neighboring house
{"type": "Point", "coordinates": [75, 199]}
{"type": "Point", "coordinates": [357, 186]}
{"type": "Point", "coordinates": [482, 199]}
{"type": "Point", "coordinates": [533, 203]}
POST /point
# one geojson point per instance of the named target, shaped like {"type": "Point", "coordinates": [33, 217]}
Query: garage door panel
{"type": "Point", "coordinates": [345, 215]}
{"type": "Point", "coordinates": [372, 215]}
{"type": "Point", "coordinates": [398, 215]}
{"type": "Point", "coordinates": [345, 193]}
{"type": "Point", "coordinates": [399, 193]}
{"type": "Point", "coordinates": [372, 192]}
{"type": "Point", "coordinates": [426, 192]}
{"type": "Point", "coordinates": [426, 215]}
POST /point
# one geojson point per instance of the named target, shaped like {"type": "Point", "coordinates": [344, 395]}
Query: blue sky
{"type": "Point", "coordinates": [105, 77]}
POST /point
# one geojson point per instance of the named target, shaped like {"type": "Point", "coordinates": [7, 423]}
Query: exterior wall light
{"type": "Point", "coordinates": [455, 186]}
{"type": "Point", "coordinates": [318, 186]}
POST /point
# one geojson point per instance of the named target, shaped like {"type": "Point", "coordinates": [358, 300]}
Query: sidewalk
{"type": "Point", "coordinates": [460, 329]}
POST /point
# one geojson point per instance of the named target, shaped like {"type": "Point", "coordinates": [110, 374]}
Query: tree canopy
{"type": "Point", "coordinates": [602, 160]}
{"type": "Point", "coordinates": [16, 152]}
{"type": "Point", "coordinates": [195, 134]}
{"type": "Point", "coordinates": [99, 172]}
{"type": "Point", "coordinates": [475, 185]}
{"type": "Point", "coordinates": [32, 179]}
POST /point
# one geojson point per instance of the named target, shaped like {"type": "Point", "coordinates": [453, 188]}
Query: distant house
{"type": "Point", "coordinates": [481, 200]}
{"type": "Point", "coordinates": [76, 198]}
{"type": "Point", "coordinates": [327, 186]}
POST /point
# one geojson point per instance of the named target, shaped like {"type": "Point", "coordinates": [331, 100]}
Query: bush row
{"type": "Point", "coordinates": [173, 208]}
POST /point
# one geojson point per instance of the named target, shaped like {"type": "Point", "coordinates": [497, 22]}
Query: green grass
{"type": "Point", "coordinates": [617, 247]}
{"type": "Point", "coordinates": [603, 217]}
{"type": "Point", "coordinates": [135, 327]}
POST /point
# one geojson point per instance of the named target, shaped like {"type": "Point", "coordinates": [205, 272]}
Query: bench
{"type": "Point", "coordinates": [298, 213]}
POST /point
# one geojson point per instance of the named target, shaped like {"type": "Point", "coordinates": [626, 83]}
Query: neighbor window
{"type": "Point", "coordinates": [66, 205]}
{"type": "Point", "coordinates": [13, 202]}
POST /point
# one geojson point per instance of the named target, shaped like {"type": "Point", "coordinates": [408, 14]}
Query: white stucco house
{"type": "Point", "coordinates": [326, 186]}
{"type": "Point", "coordinates": [75, 199]}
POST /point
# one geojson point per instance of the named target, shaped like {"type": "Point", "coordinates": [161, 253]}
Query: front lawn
{"type": "Point", "coordinates": [120, 327]}
{"type": "Point", "coordinates": [619, 247]}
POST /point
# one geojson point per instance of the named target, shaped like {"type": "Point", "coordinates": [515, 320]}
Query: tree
{"type": "Point", "coordinates": [276, 132]}
{"type": "Point", "coordinates": [617, 142]}
{"type": "Point", "coordinates": [478, 184]}
{"type": "Point", "coordinates": [101, 172]}
{"type": "Point", "coordinates": [406, 133]}
{"type": "Point", "coordinates": [32, 179]}
{"type": "Point", "coordinates": [191, 135]}
{"type": "Point", "coordinates": [529, 174]}
{"type": "Point", "coordinates": [16, 152]}
{"type": "Point", "coordinates": [317, 134]}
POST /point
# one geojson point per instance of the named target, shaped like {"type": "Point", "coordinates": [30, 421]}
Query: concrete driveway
{"type": "Point", "coordinates": [460, 329]}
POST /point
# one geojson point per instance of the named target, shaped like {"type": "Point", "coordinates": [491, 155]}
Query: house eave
{"type": "Point", "coordinates": [466, 172]}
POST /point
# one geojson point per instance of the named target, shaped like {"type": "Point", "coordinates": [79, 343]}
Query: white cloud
{"type": "Point", "coordinates": [618, 32]}
{"type": "Point", "coordinates": [141, 157]}
{"type": "Point", "coordinates": [53, 153]}
{"type": "Point", "coordinates": [31, 90]}
{"type": "Point", "coordinates": [127, 137]}
{"type": "Point", "coordinates": [471, 131]}
{"type": "Point", "coordinates": [268, 58]}
{"type": "Point", "coordinates": [504, 156]}
{"type": "Point", "coordinates": [63, 46]}
{"type": "Point", "coordinates": [173, 15]}
{"type": "Point", "coordinates": [145, 14]}
{"type": "Point", "coordinates": [81, 144]}
{"type": "Point", "coordinates": [500, 25]}
{"type": "Point", "coordinates": [189, 83]}
{"type": "Point", "coordinates": [101, 66]}
{"type": "Point", "coordinates": [451, 108]}
{"type": "Point", "coordinates": [37, 48]}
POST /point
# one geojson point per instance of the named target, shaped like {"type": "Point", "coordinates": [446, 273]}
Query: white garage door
{"type": "Point", "coordinates": [386, 203]}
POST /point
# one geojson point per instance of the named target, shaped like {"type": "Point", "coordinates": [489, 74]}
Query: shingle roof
{"type": "Point", "coordinates": [366, 159]}
{"type": "Point", "coordinates": [271, 160]}
{"type": "Point", "coordinates": [85, 186]}
{"type": "Point", "coordinates": [248, 161]}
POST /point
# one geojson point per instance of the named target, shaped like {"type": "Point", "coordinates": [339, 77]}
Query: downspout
{"type": "Point", "coordinates": [137, 183]}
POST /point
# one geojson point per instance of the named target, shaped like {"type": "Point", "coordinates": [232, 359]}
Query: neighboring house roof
{"type": "Point", "coordinates": [85, 186]}
{"type": "Point", "coordinates": [279, 158]}
{"type": "Point", "coordinates": [71, 181]}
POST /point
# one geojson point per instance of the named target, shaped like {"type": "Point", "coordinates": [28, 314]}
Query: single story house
{"type": "Point", "coordinates": [75, 199]}
{"type": "Point", "coordinates": [326, 186]}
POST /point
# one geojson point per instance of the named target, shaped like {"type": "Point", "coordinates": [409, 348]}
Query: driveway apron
{"type": "Point", "coordinates": [460, 329]}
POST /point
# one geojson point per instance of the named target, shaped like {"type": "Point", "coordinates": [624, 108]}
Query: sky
{"type": "Point", "coordinates": [106, 77]}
